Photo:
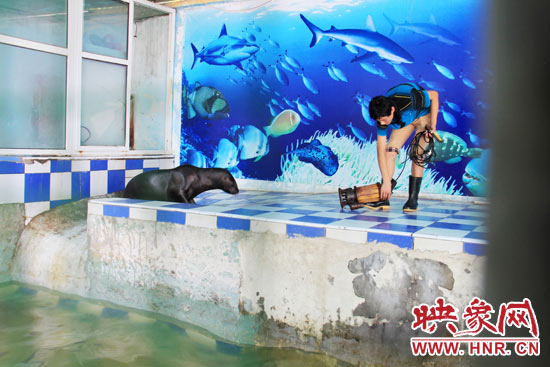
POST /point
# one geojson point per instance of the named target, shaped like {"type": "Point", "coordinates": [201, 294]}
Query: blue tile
{"type": "Point", "coordinates": [205, 202]}
{"type": "Point", "coordinates": [227, 348]}
{"type": "Point", "coordinates": [294, 230]}
{"type": "Point", "coordinates": [477, 235]}
{"type": "Point", "coordinates": [475, 249]}
{"type": "Point", "coordinates": [422, 217]}
{"type": "Point", "coordinates": [369, 218]}
{"type": "Point", "coordinates": [170, 217]}
{"type": "Point", "coordinates": [26, 291]}
{"type": "Point", "coordinates": [398, 227]}
{"type": "Point", "coordinates": [115, 180]}
{"type": "Point", "coordinates": [116, 211]}
{"type": "Point", "coordinates": [462, 227]}
{"type": "Point", "coordinates": [98, 165]}
{"type": "Point", "coordinates": [11, 167]}
{"type": "Point", "coordinates": [37, 187]}
{"type": "Point", "coordinates": [297, 211]}
{"type": "Point", "coordinates": [234, 223]}
{"type": "Point", "coordinates": [314, 219]}
{"type": "Point", "coordinates": [443, 211]}
{"type": "Point", "coordinates": [150, 169]}
{"type": "Point", "coordinates": [55, 203]}
{"type": "Point", "coordinates": [401, 241]}
{"type": "Point", "coordinates": [67, 304]}
{"type": "Point", "coordinates": [468, 217]}
{"type": "Point", "coordinates": [134, 164]}
{"type": "Point", "coordinates": [243, 211]}
{"type": "Point", "coordinates": [176, 328]}
{"type": "Point", "coordinates": [111, 313]}
{"type": "Point", "coordinates": [128, 201]}
{"type": "Point", "coordinates": [80, 185]}
{"type": "Point", "coordinates": [288, 206]}
{"type": "Point", "coordinates": [61, 166]}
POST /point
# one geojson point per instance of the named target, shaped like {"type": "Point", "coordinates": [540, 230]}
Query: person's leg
{"type": "Point", "coordinates": [398, 137]}
{"type": "Point", "coordinates": [415, 179]}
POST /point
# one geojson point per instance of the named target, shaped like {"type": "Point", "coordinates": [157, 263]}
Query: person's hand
{"type": "Point", "coordinates": [385, 191]}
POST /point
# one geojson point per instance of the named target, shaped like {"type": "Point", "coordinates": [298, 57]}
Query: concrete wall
{"type": "Point", "coordinates": [12, 222]}
{"type": "Point", "coordinates": [350, 300]}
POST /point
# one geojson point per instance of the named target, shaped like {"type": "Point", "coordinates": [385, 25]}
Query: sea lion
{"type": "Point", "coordinates": [180, 184]}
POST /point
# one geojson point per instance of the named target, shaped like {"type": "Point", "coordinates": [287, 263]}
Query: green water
{"type": "Point", "coordinates": [45, 328]}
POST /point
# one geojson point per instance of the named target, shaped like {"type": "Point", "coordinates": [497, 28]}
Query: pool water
{"type": "Point", "coordinates": [40, 327]}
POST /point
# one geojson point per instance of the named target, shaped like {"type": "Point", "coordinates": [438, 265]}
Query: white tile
{"type": "Point", "coordinates": [317, 208]}
{"type": "Point", "coordinates": [60, 185]}
{"type": "Point", "coordinates": [432, 244]}
{"type": "Point", "coordinates": [354, 224]}
{"type": "Point", "coordinates": [95, 208]}
{"type": "Point", "coordinates": [347, 235]}
{"type": "Point", "coordinates": [159, 204]}
{"type": "Point", "coordinates": [116, 164]}
{"type": "Point", "coordinates": [131, 173]}
{"type": "Point", "coordinates": [12, 188]}
{"type": "Point", "coordinates": [443, 233]}
{"type": "Point", "coordinates": [471, 213]}
{"type": "Point", "coordinates": [410, 222]}
{"type": "Point", "coordinates": [461, 221]}
{"type": "Point", "coordinates": [98, 183]}
{"type": "Point", "coordinates": [167, 163]}
{"type": "Point", "coordinates": [335, 215]}
{"type": "Point", "coordinates": [481, 229]}
{"type": "Point", "coordinates": [79, 165]}
{"type": "Point", "coordinates": [37, 167]}
{"type": "Point", "coordinates": [143, 214]}
{"type": "Point", "coordinates": [278, 216]}
{"type": "Point", "coordinates": [201, 220]}
{"type": "Point", "coordinates": [267, 226]}
{"type": "Point", "coordinates": [33, 209]}
{"type": "Point", "coordinates": [151, 163]}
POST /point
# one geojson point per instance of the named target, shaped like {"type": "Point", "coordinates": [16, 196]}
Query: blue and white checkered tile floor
{"type": "Point", "coordinates": [437, 225]}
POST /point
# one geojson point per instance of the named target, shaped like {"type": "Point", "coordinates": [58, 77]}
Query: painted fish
{"type": "Point", "coordinates": [476, 140]}
{"type": "Point", "coordinates": [207, 102]}
{"type": "Point", "coordinates": [467, 82]}
{"type": "Point", "coordinates": [373, 69]}
{"type": "Point", "coordinates": [288, 103]}
{"type": "Point", "coordinates": [292, 61]}
{"type": "Point", "coordinates": [273, 110]}
{"type": "Point", "coordinates": [281, 75]}
{"type": "Point", "coordinates": [338, 73]}
{"type": "Point", "coordinates": [400, 69]}
{"type": "Point", "coordinates": [369, 40]}
{"type": "Point", "coordinates": [313, 108]}
{"type": "Point", "coordinates": [452, 148]}
{"type": "Point", "coordinates": [341, 130]}
{"type": "Point", "coordinates": [452, 106]}
{"type": "Point", "coordinates": [431, 30]}
{"type": "Point", "coordinates": [226, 154]}
{"type": "Point", "coordinates": [225, 50]}
{"type": "Point", "coordinates": [309, 84]}
{"type": "Point", "coordinates": [359, 134]}
{"type": "Point", "coordinates": [321, 156]}
{"type": "Point", "coordinates": [259, 65]}
{"type": "Point", "coordinates": [252, 143]}
{"type": "Point", "coordinates": [448, 118]}
{"type": "Point", "coordinates": [363, 101]}
{"type": "Point", "coordinates": [351, 48]}
{"type": "Point", "coordinates": [285, 66]}
{"type": "Point", "coordinates": [304, 110]}
{"type": "Point", "coordinates": [272, 42]}
{"type": "Point", "coordinates": [443, 70]}
{"type": "Point", "coordinates": [432, 85]}
{"type": "Point", "coordinates": [331, 73]}
{"type": "Point", "coordinates": [475, 176]}
{"type": "Point", "coordinates": [284, 123]}
{"type": "Point", "coordinates": [196, 158]}
{"type": "Point", "coordinates": [469, 115]}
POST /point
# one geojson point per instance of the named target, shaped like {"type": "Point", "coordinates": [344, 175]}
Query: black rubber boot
{"type": "Point", "coordinates": [414, 188]}
{"type": "Point", "coordinates": [382, 204]}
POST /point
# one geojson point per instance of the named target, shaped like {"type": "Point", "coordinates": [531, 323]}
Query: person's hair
{"type": "Point", "coordinates": [380, 106]}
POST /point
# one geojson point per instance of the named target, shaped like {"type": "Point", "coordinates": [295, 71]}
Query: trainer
{"type": "Point", "coordinates": [404, 108]}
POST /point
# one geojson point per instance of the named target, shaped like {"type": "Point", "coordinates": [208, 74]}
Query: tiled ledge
{"type": "Point", "coordinates": [438, 225]}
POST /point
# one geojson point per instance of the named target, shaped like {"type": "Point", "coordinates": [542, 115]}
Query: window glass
{"type": "Point", "coordinates": [103, 103]}
{"type": "Point", "coordinates": [32, 98]}
{"type": "Point", "coordinates": [105, 29]}
{"type": "Point", "coordinates": [149, 79]}
{"type": "Point", "coordinates": [43, 21]}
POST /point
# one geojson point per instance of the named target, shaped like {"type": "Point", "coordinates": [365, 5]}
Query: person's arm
{"type": "Point", "coordinates": [434, 108]}
{"type": "Point", "coordinates": [385, 191]}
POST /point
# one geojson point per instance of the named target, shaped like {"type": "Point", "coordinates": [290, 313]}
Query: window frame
{"type": "Point", "coordinates": [74, 58]}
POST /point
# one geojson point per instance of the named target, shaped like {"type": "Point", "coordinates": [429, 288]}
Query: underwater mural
{"type": "Point", "coordinates": [280, 90]}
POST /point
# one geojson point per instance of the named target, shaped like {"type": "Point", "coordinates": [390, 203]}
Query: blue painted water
{"type": "Point", "coordinates": [443, 39]}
